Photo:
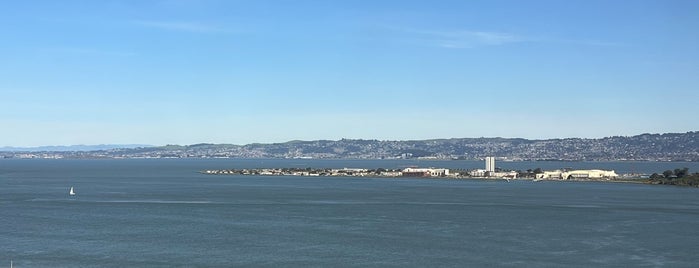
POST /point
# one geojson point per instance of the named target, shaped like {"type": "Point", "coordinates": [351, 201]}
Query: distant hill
{"type": "Point", "coordinates": [644, 147]}
{"type": "Point", "coordinates": [72, 148]}
{"type": "Point", "coordinates": [650, 147]}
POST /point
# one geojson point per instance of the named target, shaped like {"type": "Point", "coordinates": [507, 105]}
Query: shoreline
{"type": "Point", "coordinates": [626, 180]}
{"type": "Point", "coordinates": [391, 173]}
{"type": "Point", "coordinates": [43, 156]}
{"type": "Point", "coordinates": [441, 173]}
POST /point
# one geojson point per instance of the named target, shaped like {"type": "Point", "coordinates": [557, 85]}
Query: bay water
{"type": "Point", "coordinates": [163, 213]}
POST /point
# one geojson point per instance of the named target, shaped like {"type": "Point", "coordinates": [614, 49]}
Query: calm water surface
{"type": "Point", "coordinates": [162, 213]}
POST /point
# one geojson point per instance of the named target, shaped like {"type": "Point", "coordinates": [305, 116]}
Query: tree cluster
{"type": "Point", "coordinates": [676, 177]}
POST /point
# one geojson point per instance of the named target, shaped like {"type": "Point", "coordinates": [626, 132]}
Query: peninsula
{"type": "Point", "coordinates": [680, 177]}
{"type": "Point", "coordinates": [691, 180]}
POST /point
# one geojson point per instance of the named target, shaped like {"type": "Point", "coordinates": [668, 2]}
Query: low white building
{"type": "Point", "coordinates": [355, 170]}
{"type": "Point", "coordinates": [392, 173]}
{"type": "Point", "coordinates": [589, 174]}
{"type": "Point", "coordinates": [577, 174]}
{"type": "Point", "coordinates": [425, 172]}
{"type": "Point", "coordinates": [480, 173]}
{"type": "Point", "coordinates": [508, 174]}
{"type": "Point", "coordinates": [549, 175]}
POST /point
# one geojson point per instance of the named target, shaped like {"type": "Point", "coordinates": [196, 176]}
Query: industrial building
{"type": "Point", "coordinates": [577, 174]}
{"type": "Point", "coordinates": [425, 172]}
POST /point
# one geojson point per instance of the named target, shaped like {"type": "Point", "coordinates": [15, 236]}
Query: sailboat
{"type": "Point", "coordinates": [72, 192]}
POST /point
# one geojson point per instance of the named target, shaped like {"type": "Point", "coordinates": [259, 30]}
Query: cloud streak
{"type": "Point", "coordinates": [593, 43]}
{"type": "Point", "coordinates": [457, 39]}
{"type": "Point", "coordinates": [461, 39]}
{"type": "Point", "coordinates": [468, 39]}
{"type": "Point", "coordinates": [179, 26]}
{"type": "Point", "coordinates": [78, 51]}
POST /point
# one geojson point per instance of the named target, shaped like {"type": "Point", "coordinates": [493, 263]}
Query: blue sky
{"type": "Point", "coordinates": [183, 72]}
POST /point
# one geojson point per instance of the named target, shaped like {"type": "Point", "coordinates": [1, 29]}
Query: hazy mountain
{"type": "Point", "coordinates": [73, 148]}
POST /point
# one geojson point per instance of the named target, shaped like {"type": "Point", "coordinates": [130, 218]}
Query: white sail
{"type": "Point", "coordinates": [71, 191]}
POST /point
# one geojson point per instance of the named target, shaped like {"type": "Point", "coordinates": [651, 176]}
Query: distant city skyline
{"type": "Point", "coordinates": [240, 72]}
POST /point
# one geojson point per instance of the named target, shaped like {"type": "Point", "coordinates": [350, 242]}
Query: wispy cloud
{"type": "Point", "coordinates": [457, 39]}
{"type": "Point", "coordinates": [192, 27]}
{"type": "Point", "coordinates": [90, 52]}
{"type": "Point", "coordinates": [594, 43]}
{"type": "Point", "coordinates": [467, 39]}
{"type": "Point", "coordinates": [470, 39]}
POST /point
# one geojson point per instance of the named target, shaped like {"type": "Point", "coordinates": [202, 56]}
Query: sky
{"type": "Point", "coordinates": [185, 72]}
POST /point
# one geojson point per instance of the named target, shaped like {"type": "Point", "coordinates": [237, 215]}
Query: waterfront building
{"type": "Point", "coordinates": [425, 172]}
{"type": "Point", "coordinates": [504, 174]}
{"type": "Point", "coordinates": [482, 173]}
{"type": "Point", "coordinates": [391, 173]}
{"type": "Point", "coordinates": [549, 175]}
{"type": "Point", "coordinates": [478, 173]}
{"type": "Point", "coordinates": [589, 174]}
{"type": "Point", "coordinates": [577, 174]}
{"type": "Point", "coordinates": [490, 164]}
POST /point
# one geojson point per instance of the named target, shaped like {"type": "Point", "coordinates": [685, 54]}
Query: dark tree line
{"type": "Point", "coordinates": [672, 174]}
{"type": "Point", "coordinates": [676, 177]}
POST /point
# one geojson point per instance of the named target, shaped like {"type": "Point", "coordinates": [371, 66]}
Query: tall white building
{"type": "Point", "coordinates": [490, 164]}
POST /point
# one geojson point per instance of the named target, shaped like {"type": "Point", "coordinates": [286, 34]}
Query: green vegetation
{"type": "Point", "coordinates": [680, 177]}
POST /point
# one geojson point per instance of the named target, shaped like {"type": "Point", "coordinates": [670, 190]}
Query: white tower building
{"type": "Point", "coordinates": [490, 164]}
